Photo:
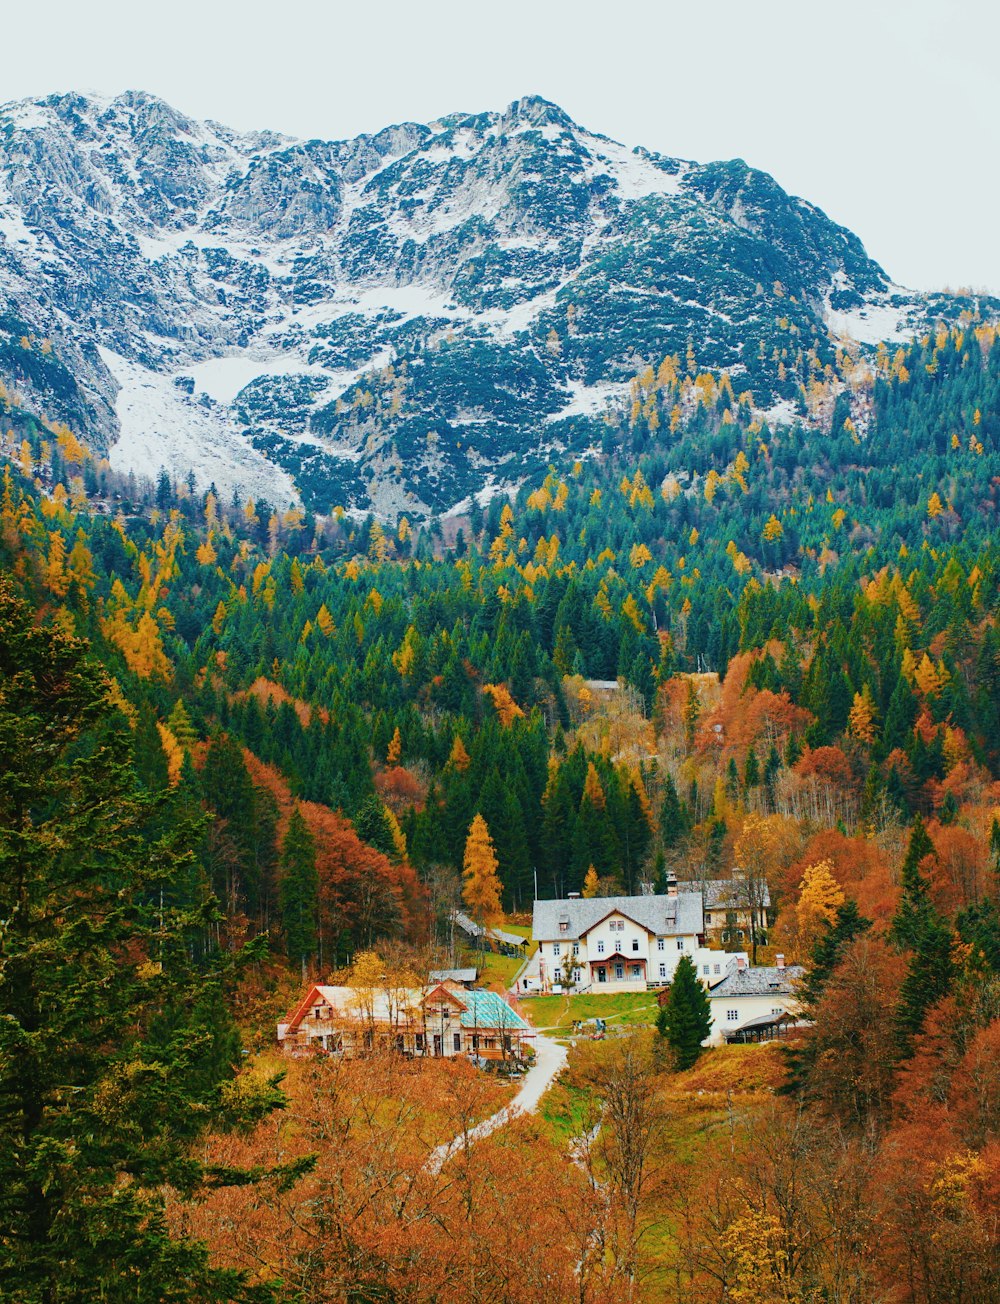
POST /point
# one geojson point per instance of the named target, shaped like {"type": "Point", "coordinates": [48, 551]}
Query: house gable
{"type": "Point", "coordinates": [311, 998]}
{"type": "Point", "coordinates": [615, 914]}
{"type": "Point", "coordinates": [444, 995]}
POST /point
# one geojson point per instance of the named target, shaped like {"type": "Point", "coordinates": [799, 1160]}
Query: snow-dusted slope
{"type": "Point", "coordinates": [397, 319]}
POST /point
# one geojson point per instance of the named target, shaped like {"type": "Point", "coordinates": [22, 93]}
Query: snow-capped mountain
{"type": "Point", "coordinates": [398, 320]}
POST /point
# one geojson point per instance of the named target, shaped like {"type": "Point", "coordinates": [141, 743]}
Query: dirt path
{"type": "Point", "coordinates": [549, 1060]}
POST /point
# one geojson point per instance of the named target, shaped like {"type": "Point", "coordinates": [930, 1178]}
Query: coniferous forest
{"type": "Point", "coordinates": [244, 746]}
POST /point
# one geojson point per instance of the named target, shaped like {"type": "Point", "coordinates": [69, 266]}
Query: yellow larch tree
{"type": "Point", "coordinates": [173, 752]}
{"type": "Point", "coordinates": [458, 757]}
{"type": "Point", "coordinates": [590, 883]}
{"type": "Point", "coordinates": [481, 887]}
{"type": "Point", "coordinates": [773, 529]}
{"type": "Point", "coordinates": [861, 718]}
{"type": "Point", "coordinates": [81, 564]}
{"type": "Point", "coordinates": [205, 552]}
{"type": "Point", "coordinates": [506, 708]}
{"type": "Point", "coordinates": [395, 748]}
{"type": "Point", "coordinates": [56, 579]}
{"type": "Point", "coordinates": [592, 789]}
{"type": "Point", "coordinates": [819, 896]}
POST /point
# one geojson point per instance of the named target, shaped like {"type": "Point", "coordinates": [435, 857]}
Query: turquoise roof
{"type": "Point", "coordinates": [488, 1010]}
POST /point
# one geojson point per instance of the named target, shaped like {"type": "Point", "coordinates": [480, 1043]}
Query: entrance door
{"type": "Point", "coordinates": [437, 1043]}
{"type": "Point", "coordinates": [602, 975]}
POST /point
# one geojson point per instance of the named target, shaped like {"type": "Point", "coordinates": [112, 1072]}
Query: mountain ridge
{"type": "Point", "coordinates": [400, 320]}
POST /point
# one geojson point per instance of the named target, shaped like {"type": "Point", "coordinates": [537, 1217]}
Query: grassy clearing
{"type": "Point", "coordinates": [495, 970]}
{"type": "Point", "coordinates": [726, 1082]}
{"type": "Point", "coordinates": [560, 1012]}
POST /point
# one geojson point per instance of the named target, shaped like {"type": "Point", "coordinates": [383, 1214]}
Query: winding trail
{"type": "Point", "coordinates": [550, 1058]}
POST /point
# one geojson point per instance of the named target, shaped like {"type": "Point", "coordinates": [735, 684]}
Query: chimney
{"type": "Point", "coordinates": [779, 960]}
{"type": "Point", "coordinates": [671, 884]}
{"type": "Point", "coordinates": [740, 963]}
{"type": "Point", "coordinates": [573, 896]}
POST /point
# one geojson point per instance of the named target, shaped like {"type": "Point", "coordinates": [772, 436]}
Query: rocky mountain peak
{"type": "Point", "coordinates": [401, 319]}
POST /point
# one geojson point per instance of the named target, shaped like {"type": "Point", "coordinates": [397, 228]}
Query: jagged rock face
{"type": "Point", "coordinates": [401, 319]}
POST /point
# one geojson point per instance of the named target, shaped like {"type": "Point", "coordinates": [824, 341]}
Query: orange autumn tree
{"type": "Point", "coordinates": [506, 708]}
{"type": "Point", "coordinates": [363, 895]}
{"type": "Point", "coordinates": [481, 887]}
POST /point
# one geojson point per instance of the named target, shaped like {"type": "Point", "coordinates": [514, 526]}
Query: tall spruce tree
{"type": "Point", "coordinates": [114, 1042]}
{"type": "Point", "coordinates": [299, 890]}
{"type": "Point", "coordinates": [686, 1018]}
{"type": "Point", "coordinates": [918, 928]}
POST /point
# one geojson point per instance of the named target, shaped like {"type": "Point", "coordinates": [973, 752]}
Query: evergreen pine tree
{"type": "Point", "coordinates": [685, 1020]}
{"type": "Point", "coordinates": [150, 758]}
{"type": "Point", "coordinates": [918, 927]}
{"type": "Point", "coordinates": [372, 826]}
{"type": "Point", "coordinates": [674, 822]}
{"type": "Point", "coordinates": [915, 911]}
{"type": "Point", "coordinates": [114, 1039]}
{"type": "Point", "coordinates": [298, 890]}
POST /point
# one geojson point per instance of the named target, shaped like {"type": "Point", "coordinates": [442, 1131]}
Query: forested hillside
{"type": "Point", "coordinates": [801, 618]}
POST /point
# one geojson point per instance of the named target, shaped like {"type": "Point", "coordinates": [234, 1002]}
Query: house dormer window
{"type": "Point", "coordinates": [563, 926]}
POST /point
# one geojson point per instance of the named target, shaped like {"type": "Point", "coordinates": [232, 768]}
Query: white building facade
{"type": "Point", "coordinates": [616, 944]}
{"type": "Point", "coordinates": [749, 998]}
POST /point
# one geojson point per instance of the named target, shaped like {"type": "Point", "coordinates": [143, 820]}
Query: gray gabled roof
{"type": "Point", "coordinates": [453, 975]}
{"type": "Point", "coordinates": [472, 929]}
{"type": "Point", "coordinates": [765, 980]}
{"type": "Point", "coordinates": [661, 915]}
{"type": "Point", "coordinates": [731, 894]}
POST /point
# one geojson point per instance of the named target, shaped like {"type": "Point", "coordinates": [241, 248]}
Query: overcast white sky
{"type": "Point", "coordinates": [884, 113]}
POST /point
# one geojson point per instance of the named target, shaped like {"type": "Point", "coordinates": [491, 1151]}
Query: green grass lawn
{"type": "Point", "coordinates": [560, 1012]}
{"type": "Point", "coordinates": [495, 968]}
{"type": "Point", "coordinates": [522, 930]}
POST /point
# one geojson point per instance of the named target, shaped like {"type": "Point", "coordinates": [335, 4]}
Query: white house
{"type": "Point", "coordinates": [616, 943]}
{"type": "Point", "coordinates": [754, 1004]}
{"type": "Point", "coordinates": [442, 1020]}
